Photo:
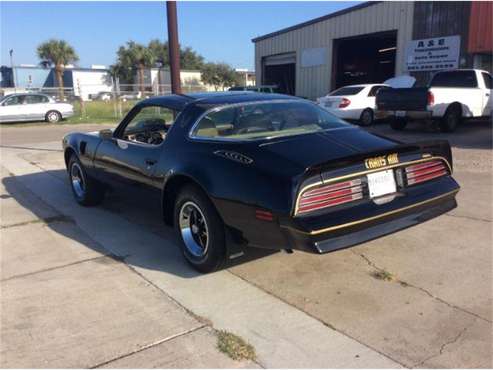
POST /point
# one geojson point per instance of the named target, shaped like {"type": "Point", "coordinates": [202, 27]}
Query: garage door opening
{"type": "Point", "coordinates": [280, 70]}
{"type": "Point", "coordinates": [364, 59]}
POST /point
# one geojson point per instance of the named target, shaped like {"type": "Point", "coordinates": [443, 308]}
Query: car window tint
{"type": "Point", "coordinates": [35, 99]}
{"type": "Point", "coordinates": [374, 90]}
{"type": "Point", "coordinates": [147, 121]}
{"type": "Point", "coordinates": [347, 91]}
{"type": "Point", "coordinates": [454, 79]}
{"type": "Point", "coordinates": [265, 120]}
{"type": "Point", "coordinates": [14, 100]}
{"type": "Point", "coordinates": [488, 80]}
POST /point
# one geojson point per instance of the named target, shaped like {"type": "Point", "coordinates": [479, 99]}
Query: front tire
{"type": "Point", "coordinates": [398, 124]}
{"type": "Point", "coordinates": [53, 116]}
{"type": "Point", "coordinates": [87, 192]}
{"type": "Point", "coordinates": [367, 117]}
{"type": "Point", "coordinates": [200, 230]}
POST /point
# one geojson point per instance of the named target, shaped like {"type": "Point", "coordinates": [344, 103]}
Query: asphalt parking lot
{"type": "Point", "coordinates": [107, 286]}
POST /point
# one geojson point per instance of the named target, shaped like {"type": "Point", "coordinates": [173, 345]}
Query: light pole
{"type": "Point", "coordinates": [173, 47]}
{"type": "Point", "coordinates": [14, 75]}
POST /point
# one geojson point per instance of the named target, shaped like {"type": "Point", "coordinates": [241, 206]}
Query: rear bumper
{"type": "Point", "coordinates": [358, 230]}
{"type": "Point", "coordinates": [67, 114]}
{"type": "Point", "coordinates": [412, 114]}
{"type": "Point", "coordinates": [344, 113]}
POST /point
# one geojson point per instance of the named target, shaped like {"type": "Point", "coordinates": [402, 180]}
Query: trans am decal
{"type": "Point", "coordinates": [381, 161]}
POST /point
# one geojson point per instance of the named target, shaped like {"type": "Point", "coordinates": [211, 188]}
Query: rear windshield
{"type": "Point", "coordinates": [347, 91]}
{"type": "Point", "coordinates": [263, 120]}
{"type": "Point", "coordinates": [455, 79]}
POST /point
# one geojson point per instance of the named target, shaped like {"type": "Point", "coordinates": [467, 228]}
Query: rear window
{"type": "Point", "coordinates": [263, 120]}
{"type": "Point", "coordinates": [346, 91]}
{"type": "Point", "coordinates": [487, 80]}
{"type": "Point", "coordinates": [375, 89]}
{"type": "Point", "coordinates": [455, 79]}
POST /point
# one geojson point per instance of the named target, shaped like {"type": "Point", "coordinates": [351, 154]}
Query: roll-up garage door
{"type": "Point", "coordinates": [280, 70]}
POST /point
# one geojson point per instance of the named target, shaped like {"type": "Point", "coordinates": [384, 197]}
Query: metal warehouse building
{"type": "Point", "coordinates": [374, 41]}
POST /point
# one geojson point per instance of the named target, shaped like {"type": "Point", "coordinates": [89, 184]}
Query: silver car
{"type": "Point", "coordinates": [33, 107]}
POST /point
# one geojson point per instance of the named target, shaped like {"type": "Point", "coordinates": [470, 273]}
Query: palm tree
{"type": "Point", "coordinates": [134, 54]}
{"type": "Point", "coordinates": [57, 53]}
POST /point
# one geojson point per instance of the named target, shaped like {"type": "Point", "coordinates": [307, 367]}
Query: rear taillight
{"type": "Point", "coordinates": [425, 171]}
{"type": "Point", "coordinates": [344, 103]}
{"type": "Point", "coordinates": [431, 98]}
{"type": "Point", "coordinates": [330, 195]}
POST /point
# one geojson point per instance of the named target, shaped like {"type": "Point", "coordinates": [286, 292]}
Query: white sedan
{"type": "Point", "coordinates": [33, 107]}
{"type": "Point", "coordinates": [354, 102]}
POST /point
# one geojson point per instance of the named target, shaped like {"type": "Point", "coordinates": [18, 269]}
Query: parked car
{"type": "Point", "coordinates": [354, 102]}
{"type": "Point", "coordinates": [270, 89]}
{"type": "Point", "coordinates": [103, 95]}
{"type": "Point", "coordinates": [450, 97]}
{"type": "Point", "coordinates": [33, 107]}
{"type": "Point", "coordinates": [239, 170]}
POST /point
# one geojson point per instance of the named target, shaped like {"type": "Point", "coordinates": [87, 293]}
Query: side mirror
{"type": "Point", "coordinates": [106, 134]}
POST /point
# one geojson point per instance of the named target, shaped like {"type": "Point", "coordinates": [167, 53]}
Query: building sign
{"type": "Point", "coordinates": [313, 57]}
{"type": "Point", "coordinates": [433, 54]}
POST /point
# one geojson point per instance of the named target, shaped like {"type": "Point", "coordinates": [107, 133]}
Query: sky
{"type": "Point", "coordinates": [219, 31]}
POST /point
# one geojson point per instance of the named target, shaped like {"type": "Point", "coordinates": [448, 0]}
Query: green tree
{"type": "Point", "coordinates": [156, 55]}
{"type": "Point", "coordinates": [130, 57]}
{"type": "Point", "coordinates": [190, 59]}
{"type": "Point", "coordinates": [57, 53]}
{"type": "Point", "coordinates": [219, 75]}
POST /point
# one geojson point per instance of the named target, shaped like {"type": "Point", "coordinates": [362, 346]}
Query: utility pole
{"type": "Point", "coordinates": [14, 75]}
{"type": "Point", "coordinates": [173, 47]}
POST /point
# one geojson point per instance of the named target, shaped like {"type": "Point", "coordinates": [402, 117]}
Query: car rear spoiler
{"type": "Point", "coordinates": [434, 148]}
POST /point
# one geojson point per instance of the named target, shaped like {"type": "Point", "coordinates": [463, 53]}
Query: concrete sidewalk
{"type": "Point", "coordinates": [119, 307]}
{"type": "Point", "coordinates": [66, 303]}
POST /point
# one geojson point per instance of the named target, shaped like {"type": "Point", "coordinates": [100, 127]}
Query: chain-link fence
{"type": "Point", "coordinates": [106, 102]}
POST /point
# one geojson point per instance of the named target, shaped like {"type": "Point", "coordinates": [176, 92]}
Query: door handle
{"type": "Point", "coordinates": [150, 162]}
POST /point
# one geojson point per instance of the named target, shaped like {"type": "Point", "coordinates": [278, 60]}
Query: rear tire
{"type": "Point", "coordinates": [200, 230]}
{"type": "Point", "coordinates": [451, 119]}
{"type": "Point", "coordinates": [398, 124]}
{"type": "Point", "coordinates": [53, 116]}
{"type": "Point", "coordinates": [367, 117]}
{"type": "Point", "coordinates": [87, 191]}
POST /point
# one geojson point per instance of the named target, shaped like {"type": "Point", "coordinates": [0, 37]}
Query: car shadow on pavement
{"type": "Point", "coordinates": [126, 226]}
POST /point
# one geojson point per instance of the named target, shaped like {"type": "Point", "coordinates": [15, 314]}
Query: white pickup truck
{"type": "Point", "coordinates": [450, 97]}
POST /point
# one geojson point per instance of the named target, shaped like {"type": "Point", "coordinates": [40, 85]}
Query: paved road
{"type": "Point", "coordinates": [298, 310]}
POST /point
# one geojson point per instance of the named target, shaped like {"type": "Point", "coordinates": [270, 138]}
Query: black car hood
{"type": "Point", "coordinates": [309, 150]}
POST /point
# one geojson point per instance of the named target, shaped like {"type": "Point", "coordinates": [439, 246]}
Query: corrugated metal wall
{"type": "Point", "coordinates": [315, 81]}
{"type": "Point", "coordinates": [481, 28]}
{"type": "Point", "coordinates": [442, 18]}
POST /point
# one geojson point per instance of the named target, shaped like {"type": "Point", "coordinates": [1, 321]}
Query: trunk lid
{"type": "Point", "coordinates": [314, 149]}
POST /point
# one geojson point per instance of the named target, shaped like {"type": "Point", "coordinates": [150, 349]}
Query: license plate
{"type": "Point", "coordinates": [381, 183]}
{"type": "Point", "coordinates": [400, 113]}
{"type": "Point", "coordinates": [328, 104]}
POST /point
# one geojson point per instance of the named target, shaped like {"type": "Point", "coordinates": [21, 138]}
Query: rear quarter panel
{"type": "Point", "coordinates": [84, 146]}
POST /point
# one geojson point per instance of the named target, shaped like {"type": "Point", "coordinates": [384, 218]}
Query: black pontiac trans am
{"type": "Point", "coordinates": [236, 170]}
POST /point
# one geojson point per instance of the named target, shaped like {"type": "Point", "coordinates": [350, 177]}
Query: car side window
{"type": "Point", "coordinates": [35, 99]}
{"type": "Point", "coordinates": [14, 100]}
{"type": "Point", "coordinates": [488, 80]}
{"type": "Point", "coordinates": [149, 125]}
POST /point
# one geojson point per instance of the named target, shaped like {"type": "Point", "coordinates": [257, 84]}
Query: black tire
{"type": "Point", "coordinates": [214, 252]}
{"type": "Point", "coordinates": [451, 119]}
{"type": "Point", "coordinates": [89, 192]}
{"type": "Point", "coordinates": [398, 124]}
{"type": "Point", "coordinates": [367, 117]}
{"type": "Point", "coordinates": [53, 116]}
